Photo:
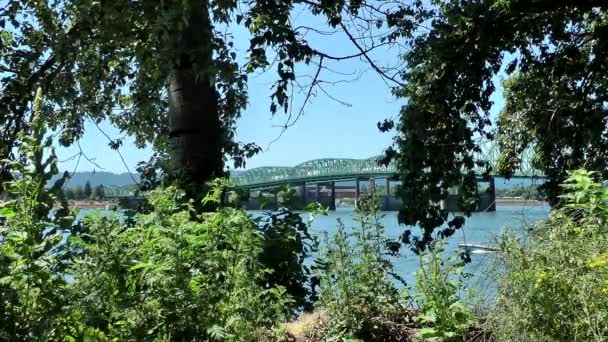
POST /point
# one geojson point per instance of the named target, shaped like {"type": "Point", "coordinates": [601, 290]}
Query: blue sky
{"type": "Point", "coordinates": [326, 129]}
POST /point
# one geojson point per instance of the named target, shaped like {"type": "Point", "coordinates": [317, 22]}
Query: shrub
{"type": "Point", "coordinates": [287, 244]}
{"type": "Point", "coordinates": [438, 290]}
{"type": "Point", "coordinates": [555, 285]}
{"type": "Point", "coordinates": [356, 288]}
{"type": "Point", "coordinates": [173, 277]}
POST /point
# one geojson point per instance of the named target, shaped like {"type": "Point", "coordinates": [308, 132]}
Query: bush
{"type": "Point", "coordinates": [173, 277]}
{"type": "Point", "coordinates": [357, 291]}
{"type": "Point", "coordinates": [287, 244]}
{"type": "Point", "coordinates": [555, 285]}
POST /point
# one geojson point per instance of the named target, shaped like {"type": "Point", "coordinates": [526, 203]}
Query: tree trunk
{"type": "Point", "coordinates": [194, 122]}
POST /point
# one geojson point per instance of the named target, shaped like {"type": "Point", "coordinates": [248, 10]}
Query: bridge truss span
{"type": "Point", "coordinates": [318, 170]}
{"type": "Point", "coordinates": [336, 169]}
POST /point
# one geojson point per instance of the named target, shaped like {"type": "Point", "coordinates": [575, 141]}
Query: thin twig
{"type": "Point", "coordinates": [301, 111]}
{"type": "Point", "coordinates": [119, 153]}
{"type": "Point", "coordinates": [73, 172]}
{"type": "Point", "coordinates": [87, 158]}
{"type": "Point", "coordinates": [341, 58]}
{"type": "Point", "coordinates": [364, 54]}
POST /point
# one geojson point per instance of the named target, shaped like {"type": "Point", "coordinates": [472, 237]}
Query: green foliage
{"type": "Point", "coordinates": [439, 287]}
{"type": "Point", "coordinates": [98, 192]}
{"type": "Point", "coordinates": [119, 73]}
{"type": "Point", "coordinates": [113, 61]}
{"type": "Point", "coordinates": [78, 192]}
{"type": "Point", "coordinates": [169, 276]}
{"type": "Point", "coordinates": [287, 196]}
{"type": "Point", "coordinates": [526, 192]}
{"type": "Point", "coordinates": [286, 248]}
{"type": "Point", "coordinates": [287, 244]}
{"type": "Point", "coordinates": [243, 195]}
{"type": "Point", "coordinates": [164, 276]}
{"type": "Point", "coordinates": [555, 100]}
{"type": "Point", "coordinates": [120, 190]}
{"type": "Point", "coordinates": [555, 284]}
{"type": "Point", "coordinates": [32, 256]}
{"type": "Point", "coordinates": [88, 190]}
{"type": "Point", "coordinates": [172, 274]}
{"type": "Point", "coordinates": [357, 290]}
{"type": "Point", "coordinates": [68, 193]}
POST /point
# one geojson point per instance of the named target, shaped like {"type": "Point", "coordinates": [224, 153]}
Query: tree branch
{"type": "Point", "coordinates": [341, 58]}
{"type": "Point", "coordinates": [364, 54]}
{"type": "Point", "coordinates": [301, 111]}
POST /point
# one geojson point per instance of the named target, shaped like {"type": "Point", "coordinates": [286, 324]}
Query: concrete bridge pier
{"type": "Point", "coordinates": [487, 200]}
{"type": "Point", "coordinates": [357, 192]}
{"type": "Point", "coordinates": [304, 197]}
{"type": "Point", "coordinates": [318, 193]}
{"type": "Point", "coordinates": [276, 198]}
{"type": "Point", "coordinates": [389, 201]}
{"type": "Point", "coordinates": [326, 201]}
{"type": "Point", "coordinates": [332, 204]}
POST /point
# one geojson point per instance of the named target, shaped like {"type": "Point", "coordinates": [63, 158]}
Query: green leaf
{"type": "Point", "coordinates": [140, 266]}
{"type": "Point", "coordinates": [7, 212]}
{"type": "Point", "coordinates": [428, 333]}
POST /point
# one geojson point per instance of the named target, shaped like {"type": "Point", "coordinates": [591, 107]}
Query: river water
{"type": "Point", "coordinates": [480, 228]}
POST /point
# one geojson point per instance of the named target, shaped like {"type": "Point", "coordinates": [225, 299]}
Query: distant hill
{"type": "Point", "coordinates": [100, 178]}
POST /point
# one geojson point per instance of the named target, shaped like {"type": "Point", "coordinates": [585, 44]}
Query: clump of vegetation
{"type": "Point", "coordinates": [33, 288]}
{"type": "Point", "coordinates": [165, 276]}
{"type": "Point", "coordinates": [357, 291]}
{"type": "Point", "coordinates": [287, 244]}
{"type": "Point", "coordinates": [170, 274]}
{"type": "Point", "coordinates": [439, 287]}
{"type": "Point", "coordinates": [175, 277]}
{"type": "Point", "coordinates": [79, 193]}
{"type": "Point", "coordinates": [555, 285]}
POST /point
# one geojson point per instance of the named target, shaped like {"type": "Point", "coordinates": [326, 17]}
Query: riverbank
{"type": "Point", "coordinates": [92, 204]}
{"type": "Point", "coordinates": [521, 201]}
{"type": "Point", "coordinates": [350, 202]}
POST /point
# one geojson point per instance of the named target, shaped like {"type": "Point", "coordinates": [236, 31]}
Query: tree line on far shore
{"type": "Point", "coordinates": [525, 192]}
{"type": "Point", "coordinates": [86, 192]}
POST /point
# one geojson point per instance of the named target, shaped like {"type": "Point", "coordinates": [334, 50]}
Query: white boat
{"type": "Point", "coordinates": [475, 248]}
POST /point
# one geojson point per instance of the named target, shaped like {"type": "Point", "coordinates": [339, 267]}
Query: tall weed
{"type": "Point", "coordinates": [287, 245]}
{"type": "Point", "coordinates": [170, 274]}
{"type": "Point", "coordinates": [357, 291]}
{"type": "Point", "coordinates": [438, 293]}
{"type": "Point", "coordinates": [33, 287]}
{"type": "Point", "coordinates": [175, 277]}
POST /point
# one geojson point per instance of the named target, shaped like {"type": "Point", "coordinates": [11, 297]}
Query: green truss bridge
{"type": "Point", "coordinates": [337, 169]}
{"type": "Point", "coordinates": [324, 173]}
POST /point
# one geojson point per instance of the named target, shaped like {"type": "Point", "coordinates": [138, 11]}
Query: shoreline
{"type": "Point", "coordinates": [521, 201]}
{"type": "Point", "coordinates": [103, 204]}
{"type": "Point", "coordinates": [92, 204]}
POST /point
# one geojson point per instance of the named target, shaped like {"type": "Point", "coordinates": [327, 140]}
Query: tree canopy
{"type": "Point", "coordinates": [112, 60]}
{"type": "Point", "coordinates": [88, 190]}
{"type": "Point", "coordinates": [555, 98]}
